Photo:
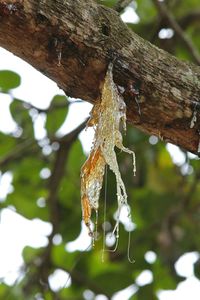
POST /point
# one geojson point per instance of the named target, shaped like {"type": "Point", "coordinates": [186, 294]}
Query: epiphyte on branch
{"type": "Point", "coordinates": [106, 118]}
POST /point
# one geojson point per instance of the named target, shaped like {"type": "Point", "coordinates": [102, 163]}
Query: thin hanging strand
{"type": "Point", "coordinates": [131, 260]}
{"type": "Point", "coordinates": [116, 229]}
{"type": "Point", "coordinates": [117, 240]}
{"type": "Point", "coordinates": [104, 214]}
{"type": "Point", "coordinates": [96, 226]}
{"type": "Point", "coordinates": [104, 221]}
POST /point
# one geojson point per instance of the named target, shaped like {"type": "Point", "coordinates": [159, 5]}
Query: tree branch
{"type": "Point", "coordinates": [178, 30]}
{"type": "Point", "coordinates": [58, 170]}
{"type": "Point", "coordinates": [190, 18]}
{"type": "Point", "coordinates": [83, 280]}
{"type": "Point", "coordinates": [121, 5]}
{"type": "Point", "coordinates": [72, 43]}
{"type": "Point", "coordinates": [21, 150]}
{"type": "Point", "coordinates": [151, 29]}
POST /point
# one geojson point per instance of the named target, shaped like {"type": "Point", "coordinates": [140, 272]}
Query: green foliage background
{"type": "Point", "coordinates": [164, 200]}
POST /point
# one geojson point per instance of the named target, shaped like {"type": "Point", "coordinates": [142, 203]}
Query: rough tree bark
{"type": "Point", "coordinates": [72, 43]}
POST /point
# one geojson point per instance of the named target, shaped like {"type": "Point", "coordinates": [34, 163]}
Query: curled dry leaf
{"type": "Point", "coordinates": [106, 117]}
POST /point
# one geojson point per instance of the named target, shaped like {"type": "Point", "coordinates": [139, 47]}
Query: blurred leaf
{"type": "Point", "coordinates": [145, 10]}
{"type": "Point", "coordinates": [9, 80]}
{"type": "Point", "coordinates": [70, 189]}
{"type": "Point", "coordinates": [30, 254]}
{"type": "Point", "coordinates": [28, 188]}
{"type": "Point", "coordinates": [56, 114]}
{"type": "Point", "coordinates": [145, 292]}
{"type": "Point", "coordinates": [48, 295]}
{"type": "Point", "coordinates": [76, 159]}
{"type": "Point", "coordinates": [111, 282]}
{"type": "Point", "coordinates": [61, 257]}
{"type": "Point", "coordinates": [185, 7]}
{"type": "Point", "coordinates": [7, 143]}
{"type": "Point", "coordinates": [197, 268]}
{"type": "Point", "coordinates": [3, 290]}
{"type": "Point", "coordinates": [70, 229]}
{"type": "Point", "coordinates": [21, 115]}
{"type": "Point", "coordinates": [162, 277]}
{"type": "Point", "coordinates": [72, 293]}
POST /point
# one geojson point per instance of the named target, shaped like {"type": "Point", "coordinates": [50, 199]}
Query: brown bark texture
{"type": "Point", "coordinates": [73, 41]}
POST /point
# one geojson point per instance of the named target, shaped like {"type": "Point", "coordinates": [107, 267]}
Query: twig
{"type": "Point", "coordinates": [69, 137]}
{"type": "Point", "coordinates": [82, 279]}
{"type": "Point", "coordinates": [51, 107]}
{"type": "Point", "coordinates": [58, 171]}
{"type": "Point", "coordinates": [121, 5]}
{"type": "Point", "coordinates": [178, 30]}
{"type": "Point", "coordinates": [19, 152]}
{"type": "Point", "coordinates": [190, 18]}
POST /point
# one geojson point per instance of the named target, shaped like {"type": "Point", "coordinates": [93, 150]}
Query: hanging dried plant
{"type": "Point", "coordinates": [106, 117]}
